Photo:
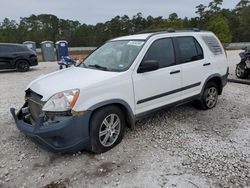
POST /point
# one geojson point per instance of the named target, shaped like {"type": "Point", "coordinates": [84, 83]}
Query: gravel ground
{"type": "Point", "coordinates": [181, 147]}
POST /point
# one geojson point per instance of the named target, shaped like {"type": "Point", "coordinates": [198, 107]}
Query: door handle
{"type": "Point", "coordinates": [175, 72]}
{"type": "Point", "coordinates": [206, 64]}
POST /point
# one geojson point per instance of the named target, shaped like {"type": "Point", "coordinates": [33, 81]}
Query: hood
{"type": "Point", "coordinates": [66, 79]}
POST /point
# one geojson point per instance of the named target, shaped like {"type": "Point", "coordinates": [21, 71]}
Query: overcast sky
{"type": "Point", "coordinates": [93, 11]}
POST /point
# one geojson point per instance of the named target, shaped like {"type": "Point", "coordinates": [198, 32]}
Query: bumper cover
{"type": "Point", "coordinates": [33, 61]}
{"type": "Point", "coordinates": [224, 78]}
{"type": "Point", "coordinates": [67, 136]}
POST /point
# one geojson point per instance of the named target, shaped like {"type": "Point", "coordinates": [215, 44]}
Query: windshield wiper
{"type": "Point", "coordinates": [98, 67]}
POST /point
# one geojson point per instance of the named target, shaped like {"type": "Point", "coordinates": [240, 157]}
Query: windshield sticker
{"type": "Point", "coordinates": [135, 43]}
{"type": "Point", "coordinates": [121, 65]}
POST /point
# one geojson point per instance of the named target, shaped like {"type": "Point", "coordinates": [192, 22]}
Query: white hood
{"type": "Point", "coordinates": [66, 79]}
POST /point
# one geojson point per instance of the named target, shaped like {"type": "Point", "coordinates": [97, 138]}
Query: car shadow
{"type": "Point", "coordinates": [15, 71]}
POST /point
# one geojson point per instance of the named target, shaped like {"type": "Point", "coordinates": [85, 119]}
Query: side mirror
{"type": "Point", "coordinates": [148, 65]}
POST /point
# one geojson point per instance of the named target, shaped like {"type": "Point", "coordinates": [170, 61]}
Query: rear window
{"type": "Point", "coordinates": [213, 44]}
{"type": "Point", "coordinates": [21, 48]}
{"type": "Point", "coordinates": [190, 49]}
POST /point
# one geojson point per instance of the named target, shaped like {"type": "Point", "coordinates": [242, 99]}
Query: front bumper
{"type": "Point", "coordinates": [67, 136]}
{"type": "Point", "coordinates": [34, 61]}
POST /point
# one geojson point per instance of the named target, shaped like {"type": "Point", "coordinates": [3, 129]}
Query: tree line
{"type": "Point", "coordinates": [230, 25]}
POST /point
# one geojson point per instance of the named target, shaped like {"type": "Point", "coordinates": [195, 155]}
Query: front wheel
{"type": "Point", "coordinates": [22, 66]}
{"type": "Point", "coordinates": [106, 128]}
{"type": "Point", "coordinates": [241, 72]}
{"type": "Point", "coordinates": [209, 97]}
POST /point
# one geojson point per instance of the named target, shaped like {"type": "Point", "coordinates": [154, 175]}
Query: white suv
{"type": "Point", "coordinates": [89, 106]}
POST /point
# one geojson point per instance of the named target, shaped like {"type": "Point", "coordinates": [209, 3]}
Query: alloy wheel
{"type": "Point", "coordinates": [212, 97]}
{"type": "Point", "coordinates": [109, 130]}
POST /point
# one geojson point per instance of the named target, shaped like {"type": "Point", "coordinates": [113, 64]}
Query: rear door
{"type": "Point", "coordinates": [193, 65]}
{"type": "Point", "coordinates": [160, 87]}
{"type": "Point", "coordinates": [6, 57]}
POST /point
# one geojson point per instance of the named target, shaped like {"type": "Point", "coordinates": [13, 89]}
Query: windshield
{"type": "Point", "coordinates": [114, 56]}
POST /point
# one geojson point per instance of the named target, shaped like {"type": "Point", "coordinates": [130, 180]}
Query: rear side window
{"type": "Point", "coordinates": [12, 48]}
{"type": "Point", "coordinates": [190, 49]}
{"type": "Point", "coordinates": [162, 51]}
{"type": "Point", "coordinates": [6, 49]}
{"type": "Point", "coordinates": [213, 44]}
{"type": "Point", "coordinates": [21, 48]}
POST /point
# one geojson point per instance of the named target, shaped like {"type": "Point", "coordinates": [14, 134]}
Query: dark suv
{"type": "Point", "coordinates": [16, 56]}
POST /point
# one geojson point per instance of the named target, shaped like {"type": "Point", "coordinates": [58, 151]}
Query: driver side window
{"type": "Point", "coordinates": [161, 50]}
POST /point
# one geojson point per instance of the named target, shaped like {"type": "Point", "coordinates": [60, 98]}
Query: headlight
{"type": "Point", "coordinates": [62, 101]}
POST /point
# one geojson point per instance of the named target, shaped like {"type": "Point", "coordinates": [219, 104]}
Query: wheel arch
{"type": "Point", "coordinates": [217, 79]}
{"type": "Point", "coordinates": [124, 106]}
{"type": "Point", "coordinates": [21, 59]}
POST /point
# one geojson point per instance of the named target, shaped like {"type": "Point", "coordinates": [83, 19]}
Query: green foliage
{"type": "Point", "coordinates": [244, 24]}
{"type": "Point", "coordinates": [219, 25]}
{"type": "Point", "coordinates": [228, 25]}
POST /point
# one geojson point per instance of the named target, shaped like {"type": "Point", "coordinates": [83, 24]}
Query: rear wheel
{"type": "Point", "coordinates": [209, 97]}
{"type": "Point", "coordinates": [241, 71]}
{"type": "Point", "coordinates": [22, 66]}
{"type": "Point", "coordinates": [106, 128]}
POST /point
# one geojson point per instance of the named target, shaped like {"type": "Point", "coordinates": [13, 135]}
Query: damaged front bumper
{"type": "Point", "coordinates": [69, 134]}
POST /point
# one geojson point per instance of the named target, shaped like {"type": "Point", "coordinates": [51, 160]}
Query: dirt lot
{"type": "Point", "coordinates": [181, 147]}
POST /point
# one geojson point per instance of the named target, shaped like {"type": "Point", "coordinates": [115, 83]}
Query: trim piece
{"type": "Point", "coordinates": [175, 72]}
{"type": "Point", "coordinates": [168, 93]}
{"type": "Point", "coordinates": [206, 64]}
{"type": "Point", "coordinates": [174, 104]}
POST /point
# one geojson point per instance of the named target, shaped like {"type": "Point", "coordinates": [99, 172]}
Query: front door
{"type": "Point", "coordinates": [160, 87]}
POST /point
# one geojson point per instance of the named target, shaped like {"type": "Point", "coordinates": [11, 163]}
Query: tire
{"type": "Point", "coordinates": [209, 97]}
{"type": "Point", "coordinates": [22, 66]}
{"type": "Point", "coordinates": [241, 72]}
{"type": "Point", "coordinates": [102, 136]}
{"type": "Point", "coordinates": [60, 67]}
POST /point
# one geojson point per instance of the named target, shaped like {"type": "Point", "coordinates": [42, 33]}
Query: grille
{"type": "Point", "coordinates": [34, 103]}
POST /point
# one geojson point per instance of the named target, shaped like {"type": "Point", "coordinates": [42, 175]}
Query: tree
{"type": "Point", "coordinates": [201, 10]}
{"type": "Point", "coordinates": [219, 25]}
{"type": "Point", "coordinates": [173, 17]}
{"type": "Point", "coordinates": [242, 4]}
{"type": "Point", "coordinates": [215, 5]}
{"type": "Point", "coordinates": [244, 26]}
{"type": "Point", "coordinates": [8, 31]}
{"type": "Point", "coordinates": [227, 24]}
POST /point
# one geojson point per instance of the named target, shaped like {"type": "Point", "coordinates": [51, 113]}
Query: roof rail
{"type": "Point", "coordinates": [171, 30]}
{"type": "Point", "coordinates": [168, 30]}
{"type": "Point", "coordinates": [151, 31]}
{"type": "Point", "coordinates": [196, 29]}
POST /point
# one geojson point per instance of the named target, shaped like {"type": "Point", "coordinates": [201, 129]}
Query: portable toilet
{"type": "Point", "coordinates": [61, 49]}
{"type": "Point", "coordinates": [31, 45]}
{"type": "Point", "coordinates": [48, 53]}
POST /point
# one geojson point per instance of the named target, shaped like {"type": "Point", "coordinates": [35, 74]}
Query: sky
{"type": "Point", "coordinates": [94, 11]}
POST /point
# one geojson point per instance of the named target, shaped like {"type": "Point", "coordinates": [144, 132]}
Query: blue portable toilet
{"type": "Point", "coordinates": [61, 49]}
